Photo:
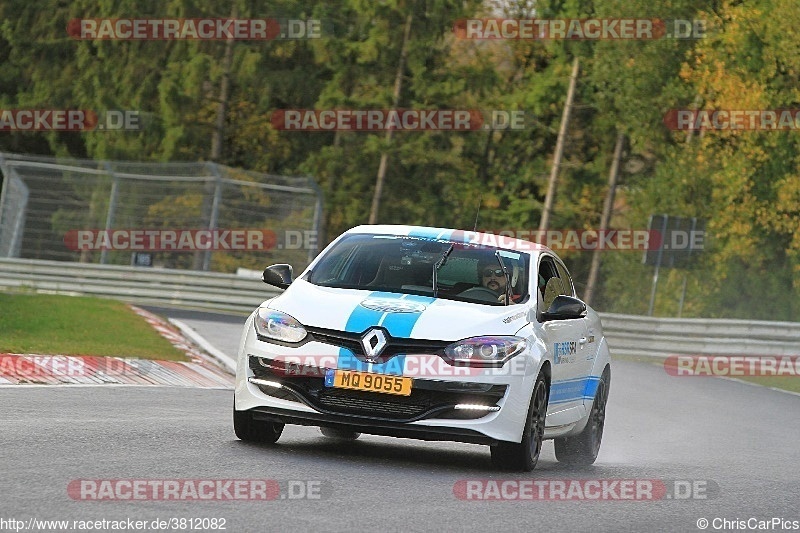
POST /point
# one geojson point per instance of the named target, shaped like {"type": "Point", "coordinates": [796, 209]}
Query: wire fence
{"type": "Point", "coordinates": [198, 216]}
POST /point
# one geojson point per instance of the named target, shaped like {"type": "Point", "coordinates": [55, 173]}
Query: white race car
{"type": "Point", "coordinates": [428, 333]}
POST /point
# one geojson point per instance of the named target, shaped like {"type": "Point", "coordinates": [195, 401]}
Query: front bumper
{"type": "Point", "coordinates": [429, 399]}
{"type": "Point", "coordinates": [428, 414]}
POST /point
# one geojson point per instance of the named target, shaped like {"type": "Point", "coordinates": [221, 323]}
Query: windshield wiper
{"type": "Point", "coordinates": [508, 277]}
{"type": "Point", "coordinates": [439, 264]}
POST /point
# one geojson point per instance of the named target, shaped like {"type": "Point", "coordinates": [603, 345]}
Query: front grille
{"type": "Point", "coordinates": [394, 346]}
{"type": "Point", "coordinates": [428, 399]}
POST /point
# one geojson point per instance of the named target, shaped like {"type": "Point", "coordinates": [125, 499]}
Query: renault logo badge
{"type": "Point", "coordinates": [373, 342]}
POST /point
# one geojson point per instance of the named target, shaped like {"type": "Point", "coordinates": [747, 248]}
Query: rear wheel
{"type": "Point", "coordinates": [524, 455]}
{"type": "Point", "coordinates": [583, 448]}
{"type": "Point", "coordinates": [341, 434]}
{"type": "Point", "coordinates": [260, 431]}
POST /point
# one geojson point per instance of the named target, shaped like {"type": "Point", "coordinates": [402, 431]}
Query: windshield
{"type": "Point", "coordinates": [405, 265]}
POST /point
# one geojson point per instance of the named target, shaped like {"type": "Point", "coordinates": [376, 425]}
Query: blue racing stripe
{"type": "Point", "coordinates": [361, 318]}
{"type": "Point", "coordinates": [397, 324]}
{"type": "Point", "coordinates": [591, 387]}
{"type": "Point", "coordinates": [401, 324]}
{"type": "Point", "coordinates": [575, 389]}
{"type": "Point", "coordinates": [348, 361]}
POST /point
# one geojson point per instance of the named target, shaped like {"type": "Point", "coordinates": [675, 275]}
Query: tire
{"type": "Point", "coordinates": [524, 455]}
{"type": "Point", "coordinates": [257, 431]}
{"type": "Point", "coordinates": [341, 434]}
{"type": "Point", "coordinates": [583, 448]}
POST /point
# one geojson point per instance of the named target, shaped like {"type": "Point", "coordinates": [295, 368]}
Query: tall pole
{"type": "Point", "coordinates": [544, 222]}
{"type": "Point", "coordinates": [215, 204]}
{"type": "Point", "coordinates": [218, 137]}
{"type": "Point", "coordinates": [202, 260]}
{"type": "Point", "coordinates": [398, 85]}
{"type": "Point", "coordinates": [605, 219]}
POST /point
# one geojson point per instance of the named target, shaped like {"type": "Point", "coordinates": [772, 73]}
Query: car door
{"type": "Point", "coordinates": [587, 344]}
{"type": "Point", "coordinates": [567, 342]}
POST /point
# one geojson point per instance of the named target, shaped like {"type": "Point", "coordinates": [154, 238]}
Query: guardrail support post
{"type": "Point", "coordinates": [317, 223]}
{"type": "Point", "coordinates": [3, 193]}
{"type": "Point", "coordinates": [14, 242]}
{"type": "Point", "coordinates": [213, 221]}
{"type": "Point", "coordinates": [112, 207]}
{"type": "Point", "coordinates": [659, 257]}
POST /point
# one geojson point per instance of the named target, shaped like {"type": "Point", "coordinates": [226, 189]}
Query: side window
{"type": "Point", "coordinates": [566, 280]}
{"type": "Point", "coordinates": [549, 283]}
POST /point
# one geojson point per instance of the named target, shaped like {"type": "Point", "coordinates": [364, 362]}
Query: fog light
{"type": "Point", "coordinates": [265, 383]}
{"type": "Point", "coordinates": [476, 407]}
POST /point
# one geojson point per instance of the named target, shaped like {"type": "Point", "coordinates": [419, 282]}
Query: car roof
{"type": "Point", "coordinates": [456, 235]}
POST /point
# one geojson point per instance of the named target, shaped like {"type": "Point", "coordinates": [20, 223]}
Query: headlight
{"type": "Point", "coordinates": [485, 351]}
{"type": "Point", "coordinates": [278, 326]}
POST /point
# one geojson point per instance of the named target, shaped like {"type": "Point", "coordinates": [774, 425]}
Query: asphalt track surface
{"type": "Point", "coordinates": [741, 440]}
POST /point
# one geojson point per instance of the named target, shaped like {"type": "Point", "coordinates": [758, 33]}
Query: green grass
{"type": "Point", "coordinates": [74, 325]}
{"type": "Point", "coordinates": [788, 383]}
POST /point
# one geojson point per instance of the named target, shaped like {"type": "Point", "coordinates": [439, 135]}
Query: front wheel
{"type": "Point", "coordinates": [583, 448]}
{"type": "Point", "coordinates": [524, 455]}
{"type": "Point", "coordinates": [258, 431]}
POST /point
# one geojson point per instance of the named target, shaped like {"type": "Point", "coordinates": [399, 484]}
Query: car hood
{"type": "Point", "coordinates": [403, 315]}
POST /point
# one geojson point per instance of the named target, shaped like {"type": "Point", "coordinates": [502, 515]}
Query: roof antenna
{"type": "Point", "coordinates": [478, 212]}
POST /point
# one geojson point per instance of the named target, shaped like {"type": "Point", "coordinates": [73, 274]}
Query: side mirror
{"type": "Point", "coordinates": [564, 308]}
{"type": "Point", "coordinates": [278, 275]}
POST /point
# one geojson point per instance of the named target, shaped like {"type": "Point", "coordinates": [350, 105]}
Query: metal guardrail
{"type": "Point", "coordinates": [639, 335]}
{"type": "Point", "coordinates": [180, 288]}
{"type": "Point", "coordinates": [627, 334]}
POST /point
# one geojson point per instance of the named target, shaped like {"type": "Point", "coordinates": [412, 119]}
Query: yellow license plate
{"type": "Point", "coordinates": [347, 379]}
